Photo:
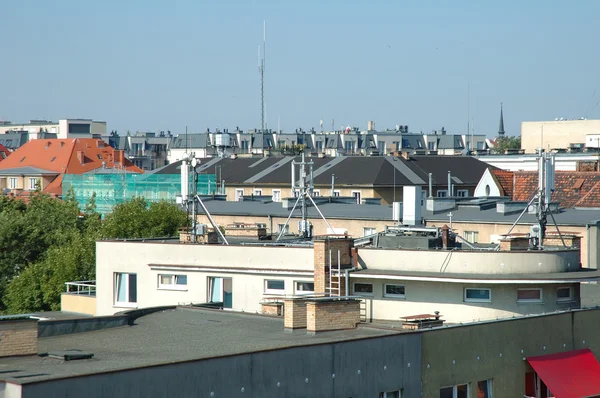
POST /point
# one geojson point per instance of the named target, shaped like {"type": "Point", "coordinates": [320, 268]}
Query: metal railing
{"type": "Point", "coordinates": [81, 287]}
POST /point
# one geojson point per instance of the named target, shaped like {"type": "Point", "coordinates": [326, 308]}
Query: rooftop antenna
{"type": "Point", "coordinates": [186, 141]}
{"type": "Point", "coordinates": [303, 185]}
{"type": "Point", "coordinates": [261, 70]}
{"type": "Point", "coordinates": [541, 200]}
{"type": "Point", "coordinates": [469, 111]}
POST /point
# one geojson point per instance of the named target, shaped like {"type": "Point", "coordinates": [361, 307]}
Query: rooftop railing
{"type": "Point", "coordinates": [87, 288]}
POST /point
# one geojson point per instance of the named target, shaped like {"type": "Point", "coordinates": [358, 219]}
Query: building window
{"type": "Point", "coordinates": [12, 183]}
{"type": "Point", "coordinates": [396, 291]}
{"type": "Point", "coordinates": [301, 287]}
{"type": "Point", "coordinates": [462, 193]}
{"type": "Point", "coordinates": [369, 231]}
{"type": "Point", "coordinates": [125, 289]}
{"type": "Point", "coordinates": [239, 195]}
{"type": "Point", "coordinates": [349, 146]}
{"type": "Point", "coordinates": [33, 183]}
{"type": "Point", "coordinates": [431, 146]}
{"type": "Point", "coordinates": [442, 193]}
{"type": "Point", "coordinates": [459, 391]}
{"type": "Point", "coordinates": [477, 295]}
{"type": "Point", "coordinates": [356, 195]}
{"type": "Point", "coordinates": [284, 228]}
{"type": "Point", "coordinates": [316, 193]}
{"type": "Point", "coordinates": [173, 282]}
{"type": "Point", "coordinates": [336, 193]}
{"type": "Point", "coordinates": [220, 290]}
{"type": "Point", "coordinates": [273, 286]}
{"type": "Point", "coordinates": [391, 394]}
{"type": "Point", "coordinates": [276, 195]}
{"type": "Point", "coordinates": [564, 294]}
{"type": "Point", "coordinates": [363, 289]}
{"type": "Point", "coordinates": [471, 236]}
{"type": "Point", "coordinates": [484, 389]}
{"type": "Point", "coordinates": [529, 295]}
{"type": "Point", "coordinates": [258, 192]}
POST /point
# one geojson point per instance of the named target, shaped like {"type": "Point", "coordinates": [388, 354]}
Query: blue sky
{"type": "Point", "coordinates": [162, 65]}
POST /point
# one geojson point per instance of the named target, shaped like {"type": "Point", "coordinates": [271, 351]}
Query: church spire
{"type": "Point", "coordinates": [501, 127]}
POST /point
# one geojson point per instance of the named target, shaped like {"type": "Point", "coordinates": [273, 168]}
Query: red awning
{"type": "Point", "coordinates": [573, 374]}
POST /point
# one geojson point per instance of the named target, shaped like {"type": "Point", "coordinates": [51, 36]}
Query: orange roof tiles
{"type": "Point", "coordinates": [571, 188]}
{"type": "Point", "coordinates": [505, 180]}
{"type": "Point", "coordinates": [70, 156]}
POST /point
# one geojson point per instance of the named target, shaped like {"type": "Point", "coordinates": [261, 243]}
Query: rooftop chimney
{"type": "Point", "coordinates": [19, 336]}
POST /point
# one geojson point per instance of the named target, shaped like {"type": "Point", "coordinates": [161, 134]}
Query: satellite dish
{"type": "Point", "coordinates": [194, 162]}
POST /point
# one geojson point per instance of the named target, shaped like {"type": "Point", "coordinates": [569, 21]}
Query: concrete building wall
{"type": "Point", "coordinates": [516, 262]}
{"type": "Point", "coordinates": [556, 134]}
{"type": "Point", "coordinates": [79, 303]}
{"type": "Point", "coordinates": [355, 228]}
{"type": "Point", "coordinates": [359, 368]}
{"type": "Point", "coordinates": [497, 350]}
{"type": "Point", "coordinates": [489, 232]}
{"type": "Point", "coordinates": [449, 299]}
{"type": "Point", "coordinates": [247, 266]}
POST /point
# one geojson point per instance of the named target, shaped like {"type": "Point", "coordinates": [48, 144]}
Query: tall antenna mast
{"type": "Point", "coordinates": [469, 114]}
{"type": "Point", "coordinates": [261, 70]}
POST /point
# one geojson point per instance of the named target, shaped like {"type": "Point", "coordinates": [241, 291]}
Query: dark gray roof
{"type": "Point", "coordinates": [14, 141]}
{"type": "Point", "coordinates": [28, 170]}
{"type": "Point", "coordinates": [192, 140]}
{"type": "Point", "coordinates": [276, 209]}
{"type": "Point", "coordinates": [165, 337]}
{"type": "Point", "coordinates": [580, 275]}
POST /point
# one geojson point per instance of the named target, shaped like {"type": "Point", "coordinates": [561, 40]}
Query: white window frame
{"type": "Point", "coordinates": [392, 295]}
{"type": "Point", "coordinates": [296, 291]}
{"type": "Point", "coordinates": [316, 193]}
{"type": "Point", "coordinates": [173, 285]}
{"type": "Point", "coordinates": [490, 385]}
{"type": "Point", "coordinates": [281, 226]}
{"type": "Point", "coordinates": [369, 231]}
{"type": "Point", "coordinates": [390, 394]}
{"type": "Point", "coordinates": [442, 193]}
{"type": "Point", "coordinates": [531, 301]}
{"type": "Point", "coordinates": [337, 192]}
{"type": "Point", "coordinates": [455, 389]}
{"type": "Point", "coordinates": [358, 197]}
{"type": "Point", "coordinates": [117, 303]}
{"type": "Point", "coordinates": [13, 183]}
{"type": "Point", "coordinates": [471, 235]}
{"type": "Point", "coordinates": [273, 196]}
{"type": "Point", "coordinates": [274, 291]}
{"type": "Point", "coordinates": [239, 195]}
{"type": "Point", "coordinates": [565, 299]}
{"type": "Point", "coordinates": [355, 293]}
{"type": "Point", "coordinates": [462, 193]}
{"type": "Point", "coordinates": [258, 192]}
{"type": "Point", "coordinates": [35, 183]}
{"type": "Point", "coordinates": [470, 300]}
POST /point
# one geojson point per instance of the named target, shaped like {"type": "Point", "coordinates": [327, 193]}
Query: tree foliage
{"type": "Point", "coordinates": [48, 242]}
{"type": "Point", "coordinates": [504, 143]}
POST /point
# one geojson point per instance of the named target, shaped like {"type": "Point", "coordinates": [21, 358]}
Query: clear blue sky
{"type": "Point", "coordinates": [162, 65]}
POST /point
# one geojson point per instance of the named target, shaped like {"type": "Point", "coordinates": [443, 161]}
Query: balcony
{"type": "Point", "coordinates": [80, 297]}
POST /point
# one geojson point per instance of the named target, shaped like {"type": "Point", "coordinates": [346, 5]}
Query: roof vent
{"type": "Point", "coordinates": [70, 355]}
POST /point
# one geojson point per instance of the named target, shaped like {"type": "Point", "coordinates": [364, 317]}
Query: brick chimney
{"type": "Point", "coordinates": [445, 236]}
{"type": "Point", "coordinates": [327, 247]}
{"type": "Point", "coordinates": [18, 336]}
{"type": "Point", "coordinates": [80, 156]}
{"type": "Point", "coordinates": [120, 157]}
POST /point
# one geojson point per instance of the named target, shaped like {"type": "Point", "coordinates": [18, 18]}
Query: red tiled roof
{"type": "Point", "coordinates": [505, 179]}
{"type": "Point", "coordinates": [571, 188]}
{"type": "Point", "coordinates": [4, 152]}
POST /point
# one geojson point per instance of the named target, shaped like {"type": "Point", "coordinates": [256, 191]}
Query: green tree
{"type": "Point", "coordinates": [139, 219]}
{"type": "Point", "coordinates": [504, 143]}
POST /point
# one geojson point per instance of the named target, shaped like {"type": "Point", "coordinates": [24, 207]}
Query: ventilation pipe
{"type": "Point", "coordinates": [449, 183]}
{"type": "Point", "coordinates": [430, 185]}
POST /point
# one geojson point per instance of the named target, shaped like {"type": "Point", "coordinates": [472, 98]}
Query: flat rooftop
{"type": "Point", "coordinates": [165, 337]}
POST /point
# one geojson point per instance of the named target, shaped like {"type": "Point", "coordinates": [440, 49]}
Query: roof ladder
{"type": "Point", "coordinates": [335, 277]}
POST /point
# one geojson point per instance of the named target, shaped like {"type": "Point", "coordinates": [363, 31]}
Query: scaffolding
{"type": "Point", "coordinates": [112, 189]}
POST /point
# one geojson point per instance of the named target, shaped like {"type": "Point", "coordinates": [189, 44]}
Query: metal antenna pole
{"type": "Point", "coordinates": [288, 220]}
{"type": "Point", "coordinates": [559, 234]}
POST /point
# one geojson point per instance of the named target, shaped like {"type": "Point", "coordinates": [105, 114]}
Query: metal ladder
{"type": "Point", "coordinates": [335, 277]}
{"type": "Point", "coordinates": [363, 310]}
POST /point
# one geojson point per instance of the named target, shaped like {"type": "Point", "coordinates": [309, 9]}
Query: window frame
{"type": "Point", "coordinates": [273, 195]}
{"type": "Point", "coordinates": [462, 193]}
{"type": "Point", "coordinates": [357, 195]}
{"type": "Point", "coordinates": [239, 194]}
{"type": "Point", "coordinates": [364, 231]}
{"type": "Point", "coordinates": [267, 290]}
{"type": "Point", "coordinates": [337, 193]}
{"type": "Point", "coordinates": [281, 226]}
{"type": "Point", "coordinates": [316, 193]}
{"type": "Point", "coordinates": [444, 193]}
{"type": "Point", "coordinates": [13, 183]}
{"type": "Point", "coordinates": [35, 183]}
{"type": "Point", "coordinates": [569, 299]}
{"type": "Point", "coordinates": [455, 389]}
{"type": "Point", "coordinates": [174, 285]}
{"type": "Point", "coordinates": [127, 304]}
{"type": "Point", "coordinates": [384, 394]}
{"type": "Point", "coordinates": [531, 301]}
{"type": "Point", "coordinates": [490, 385]}
{"type": "Point", "coordinates": [472, 300]}
{"type": "Point", "coordinates": [303, 292]}
{"type": "Point", "coordinates": [355, 293]}
{"type": "Point", "coordinates": [473, 234]}
{"type": "Point", "coordinates": [393, 295]}
{"type": "Point", "coordinates": [257, 192]}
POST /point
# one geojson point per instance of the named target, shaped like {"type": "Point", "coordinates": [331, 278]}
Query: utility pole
{"type": "Point", "coordinates": [261, 70]}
